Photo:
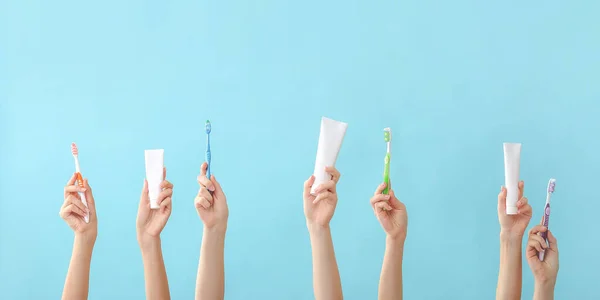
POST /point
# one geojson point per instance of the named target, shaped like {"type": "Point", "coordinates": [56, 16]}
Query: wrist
{"type": "Point", "coordinates": [396, 242]}
{"type": "Point", "coordinates": [87, 238]}
{"type": "Point", "coordinates": [147, 241]}
{"type": "Point", "coordinates": [510, 237]}
{"type": "Point", "coordinates": [544, 289]}
{"type": "Point", "coordinates": [314, 228]}
{"type": "Point", "coordinates": [545, 284]}
{"type": "Point", "coordinates": [215, 231]}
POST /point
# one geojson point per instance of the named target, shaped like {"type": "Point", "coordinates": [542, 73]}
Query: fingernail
{"type": "Point", "coordinates": [519, 203]}
{"type": "Point", "coordinates": [211, 188]}
{"type": "Point", "coordinates": [387, 196]}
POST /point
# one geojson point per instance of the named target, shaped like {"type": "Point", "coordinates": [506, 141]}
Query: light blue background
{"type": "Point", "coordinates": [454, 79]}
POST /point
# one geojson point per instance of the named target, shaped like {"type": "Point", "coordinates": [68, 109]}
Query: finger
{"type": "Point", "coordinates": [380, 188]}
{"type": "Point", "coordinates": [164, 194]}
{"type": "Point", "coordinates": [165, 203]}
{"type": "Point", "coordinates": [203, 181]}
{"type": "Point", "coordinates": [218, 189]}
{"type": "Point", "coordinates": [77, 202]}
{"type": "Point", "coordinates": [525, 210]}
{"type": "Point", "coordinates": [379, 198]}
{"type": "Point", "coordinates": [72, 209]}
{"type": "Point", "coordinates": [382, 206]}
{"type": "Point", "coordinates": [522, 201]}
{"type": "Point", "coordinates": [308, 184]}
{"type": "Point", "coordinates": [203, 169]}
{"type": "Point", "coordinates": [540, 240]}
{"type": "Point", "coordinates": [89, 196]}
{"type": "Point", "coordinates": [165, 184]}
{"type": "Point", "coordinates": [521, 188]}
{"type": "Point", "coordinates": [394, 202]}
{"type": "Point", "coordinates": [552, 242]}
{"type": "Point", "coordinates": [322, 196]}
{"type": "Point", "coordinates": [74, 189]}
{"type": "Point", "coordinates": [327, 186]}
{"type": "Point", "coordinates": [537, 229]}
{"type": "Point", "coordinates": [164, 173]}
{"type": "Point", "coordinates": [335, 174]}
{"type": "Point", "coordinates": [72, 179]}
{"type": "Point", "coordinates": [502, 199]}
{"type": "Point", "coordinates": [204, 193]}
{"type": "Point", "coordinates": [534, 244]}
{"type": "Point", "coordinates": [200, 202]}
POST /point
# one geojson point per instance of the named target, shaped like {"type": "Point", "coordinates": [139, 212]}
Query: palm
{"type": "Point", "coordinates": [154, 220]}
{"type": "Point", "coordinates": [321, 212]}
{"type": "Point", "coordinates": [516, 223]}
{"type": "Point", "coordinates": [212, 215]}
{"type": "Point", "coordinates": [393, 221]}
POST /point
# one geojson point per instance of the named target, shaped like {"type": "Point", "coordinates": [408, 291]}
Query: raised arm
{"type": "Point", "coordinates": [150, 223]}
{"type": "Point", "coordinates": [544, 271]}
{"type": "Point", "coordinates": [211, 205]}
{"type": "Point", "coordinates": [319, 210]}
{"type": "Point", "coordinates": [392, 215]}
{"type": "Point", "coordinates": [512, 229]}
{"type": "Point", "coordinates": [73, 212]}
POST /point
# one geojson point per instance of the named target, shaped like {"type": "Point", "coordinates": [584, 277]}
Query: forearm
{"type": "Point", "coordinates": [326, 276]}
{"type": "Point", "coordinates": [78, 276]}
{"type": "Point", "coordinates": [155, 275]}
{"type": "Point", "coordinates": [509, 276]}
{"type": "Point", "coordinates": [210, 281]}
{"type": "Point", "coordinates": [390, 281]}
{"type": "Point", "coordinates": [543, 291]}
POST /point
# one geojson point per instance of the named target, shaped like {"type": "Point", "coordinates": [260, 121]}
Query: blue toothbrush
{"type": "Point", "coordinates": [208, 148]}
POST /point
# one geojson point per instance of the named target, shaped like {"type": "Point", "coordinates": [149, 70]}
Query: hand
{"type": "Point", "coordinates": [390, 212]}
{"type": "Point", "coordinates": [514, 225]}
{"type": "Point", "coordinates": [150, 222]}
{"type": "Point", "coordinates": [543, 271]}
{"type": "Point", "coordinates": [319, 209]}
{"type": "Point", "coordinates": [211, 202]}
{"type": "Point", "coordinates": [73, 210]}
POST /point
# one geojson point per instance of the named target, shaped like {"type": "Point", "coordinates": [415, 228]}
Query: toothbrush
{"type": "Point", "coordinates": [208, 129]}
{"type": "Point", "coordinates": [387, 136]}
{"type": "Point", "coordinates": [79, 179]}
{"type": "Point", "coordinates": [546, 219]}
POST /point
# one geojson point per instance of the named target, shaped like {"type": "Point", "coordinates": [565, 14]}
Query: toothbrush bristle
{"type": "Point", "coordinates": [208, 127]}
{"type": "Point", "coordinates": [74, 149]}
{"type": "Point", "coordinates": [387, 134]}
{"type": "Point", "coordinates": [551, 185]}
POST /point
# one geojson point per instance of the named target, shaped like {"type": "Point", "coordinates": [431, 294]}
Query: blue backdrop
{"type": "Point", "coordinates": [454, 79]}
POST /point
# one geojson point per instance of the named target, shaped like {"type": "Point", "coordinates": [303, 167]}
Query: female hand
{"type": "Point", "coordinates": [543, 271]}
{"type": "Point", "coordinates": [150, 222]}
{"type": "Point", "coordinates": [319, 209]}
{"type": "Point", "coordinates": [514, 225]}
{"type": "Point", "coordinates": [390, 212]}
{"type": "Point", "coordinates": [211, 202]}
{"type": "Point", "coordinates": [73, 210]}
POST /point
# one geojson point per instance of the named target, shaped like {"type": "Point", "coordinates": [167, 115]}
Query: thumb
{"type": "Point", "coordinates": [308, 185]}
{"type": "Point", "coordinates": [144, 199]}
{"type": "Point", "coordinates": [552, 241]}
{"type": "Point", "coordinates": [394, 202]}
{"type": "Point", "coordinates": [218, 190]}
{"type": "Point", "coordinates": [89, 197]}
{"type": "Point", "coordinates": [502, 199]}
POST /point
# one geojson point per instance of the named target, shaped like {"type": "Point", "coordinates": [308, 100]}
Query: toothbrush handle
{"type": "Point", "coordinates": [208, 156]}
{"type": "Point", "coordinates": [82, 196]}
{"type": "Point", "coordinates": [386, 174]}
{"type": "Point", "coordinates": [545, 222]}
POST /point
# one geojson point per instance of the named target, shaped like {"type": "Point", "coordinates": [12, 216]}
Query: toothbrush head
{"type": "Point", "coordinates": [551, 185]}
{"type": "Point", "coordinates": [208, 127]}
{"type": "Point", "coordinates": [387, 134]}
{"type": "Point", "coordinates": [74, 149]}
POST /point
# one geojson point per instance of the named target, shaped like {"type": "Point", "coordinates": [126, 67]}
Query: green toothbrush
{"type": "Point", "coordinates": [387, 136]}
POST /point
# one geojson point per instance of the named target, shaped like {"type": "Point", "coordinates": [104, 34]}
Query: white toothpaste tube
{"type": "Point", "coordinates": [330, 142]}
{"type": "Point", "coordinates": [512, 161]}
{"type": "Point", "coordinates": [154, 174]}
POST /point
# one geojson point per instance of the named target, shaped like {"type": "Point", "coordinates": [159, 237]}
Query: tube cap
{"type": "Point", "coordinates": [511, 210]}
